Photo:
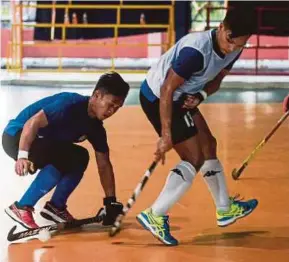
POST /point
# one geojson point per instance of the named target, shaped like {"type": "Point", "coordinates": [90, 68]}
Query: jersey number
{"type": "Point", "coordinates": [188, 119]}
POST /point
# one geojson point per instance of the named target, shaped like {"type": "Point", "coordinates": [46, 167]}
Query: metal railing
{"type": "Point", "coordinates": [15, 54]}
{"type": "Point", "coordinates": [258, 46]}
{"type": "Point", "coordinates": [17, 44]}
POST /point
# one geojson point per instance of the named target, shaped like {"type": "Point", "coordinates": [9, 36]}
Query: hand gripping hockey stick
{"type": "Point", "coordinates": [117, 224]}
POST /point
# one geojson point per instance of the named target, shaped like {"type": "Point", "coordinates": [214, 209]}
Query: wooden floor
{"type": "Point", "coordinates": [262, 236]}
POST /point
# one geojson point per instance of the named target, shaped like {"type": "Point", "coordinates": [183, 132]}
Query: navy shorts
{"type": "Point", "coordinates": [182, 126]}
{"type": "Point", "coordinates": [66, 157]}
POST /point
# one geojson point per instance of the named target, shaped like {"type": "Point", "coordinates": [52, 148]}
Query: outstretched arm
{"type": "Point", "coordinates": [106, 173]}
{"type": "Point", "coordinates": [112, 207]}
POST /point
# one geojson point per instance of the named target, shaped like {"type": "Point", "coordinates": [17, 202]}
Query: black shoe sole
{"type": "Point", "coordinates": [48, 217]}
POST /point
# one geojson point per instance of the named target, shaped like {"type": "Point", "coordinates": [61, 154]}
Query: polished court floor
{"type": "Point", "coordinates": [238, 124]}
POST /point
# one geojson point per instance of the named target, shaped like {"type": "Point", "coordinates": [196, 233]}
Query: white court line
{"type": "Point", "coordinates": [93, 77]}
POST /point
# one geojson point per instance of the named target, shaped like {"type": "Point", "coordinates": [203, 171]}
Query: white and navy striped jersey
{"type": "Point", "coordinates": [195, 57]}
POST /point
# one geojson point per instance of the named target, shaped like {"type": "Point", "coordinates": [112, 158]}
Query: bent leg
{"type": "Point", "coordinates": [45, 180]}
{"type": "Point", "coordinates": [73, 163]}
{"type": "Point", "coordinates": [181, 176]}
{"type": "Point", "coordinates": [178, 182]}
{"type": "Point", "coordinates": [212, 169]}
{"type": "Point", "coordinates": [71, 179]}
{"type": "Point", "coordinates": [61, 164]}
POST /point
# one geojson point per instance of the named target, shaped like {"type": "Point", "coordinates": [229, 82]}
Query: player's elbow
{"type": "Point", "coordinates": [31, 126]}
{"type": "Point", "coordinates": [37, 121]}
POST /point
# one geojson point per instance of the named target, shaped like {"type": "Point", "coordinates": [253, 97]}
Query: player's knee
{"type": "Point", "coordinates": [185, 170]}
{"type": "Point", "coordinates": [76, 161]}
{"type": "Point", "coordinates": [195, 160]}
{"type": "Point", "coordinates": [210, 147]}
{"type": "Point", "coordinates": [77, 176]}
{"type": "Point", "coordinates": [82, 160]}
{"type": "Point", "coordinates": [213, 143]}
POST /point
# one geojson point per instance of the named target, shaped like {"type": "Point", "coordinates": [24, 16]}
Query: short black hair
{"type": "Point", "coordinates": [112, 83]}
{"type": "Point", "coordinates": [239, 21]}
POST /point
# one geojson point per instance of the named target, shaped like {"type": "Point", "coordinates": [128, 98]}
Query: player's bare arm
{"type": "Point", "coordinates": [30, 130]}
{"type": "Point", "coordinates": [112, 207]}
{"type": "Point", "coordinates": [214, 85]}
{"type": "Point", "coordinates": [210, 88]}
{"type": "Point", "coordinates": [106, 173]}
{"type": "Point", "coordinates": [172, 82]}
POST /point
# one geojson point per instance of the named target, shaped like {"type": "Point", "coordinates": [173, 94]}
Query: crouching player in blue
{"type": "Point", "coordinates": [174, 87]}
{"type": "Point", "coordinates": [44, 136]}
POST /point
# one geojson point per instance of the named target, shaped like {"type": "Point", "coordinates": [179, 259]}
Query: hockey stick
{"type": "Point", "coordinates": [117, 224]}
{"type": "Point", "coordinates": [55, 227]}
{"type": "Point", "coordinates": [236, 173]}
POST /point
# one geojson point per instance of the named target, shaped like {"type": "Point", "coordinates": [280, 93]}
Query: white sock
{"type": "Point", "coordinates": [178, 181]}
{"type": "Point", "coordinates": [213, 174]}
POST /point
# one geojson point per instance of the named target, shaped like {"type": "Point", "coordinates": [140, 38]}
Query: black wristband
{"type": "Point", "coordinates": [109, 200]}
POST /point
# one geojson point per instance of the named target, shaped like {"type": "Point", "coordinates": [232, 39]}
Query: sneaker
{"type": "Point", "coordinates": [22, 215]}
{"type": "Point", "coordinates": [238, 209]}
{"type": "Point", "coordinates": [158, 226]}
{"type": "Point", "coordinates": [52, 213]}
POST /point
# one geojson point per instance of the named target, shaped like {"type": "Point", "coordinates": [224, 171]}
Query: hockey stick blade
{"type": "Point", "coordinates": [55, 227]}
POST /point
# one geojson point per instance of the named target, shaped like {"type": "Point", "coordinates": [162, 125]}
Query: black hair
{"type": "Point", "coordinates": [112, 83]}
{"type": "Point", "coordinates": [239, 21]}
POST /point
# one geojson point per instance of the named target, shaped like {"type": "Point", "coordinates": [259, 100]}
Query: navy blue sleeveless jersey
{"type": "Point", "coordinates": [68, 120]}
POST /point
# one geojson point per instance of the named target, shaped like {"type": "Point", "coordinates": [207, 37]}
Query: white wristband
{"type": "Point", "coordinates": [204, 94]}
{"type": "Point", "coordinates": [22, 154]}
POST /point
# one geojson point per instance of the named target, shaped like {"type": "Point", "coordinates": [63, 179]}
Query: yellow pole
{"type": "Point", "coordinates": [18, 44]}
{"type": "Point", "coordinates": [115, 42]}
{"type": "Point", "coordinates": [16, 51]}
{"type": "Point", "coordinates": [173, 23]}
{"type": "Point", "coordinates": [20, 39]}
{"type": "Point", "coordinates": [64, 26]}
{"type": "Point", "coordinates": [13, 38]}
